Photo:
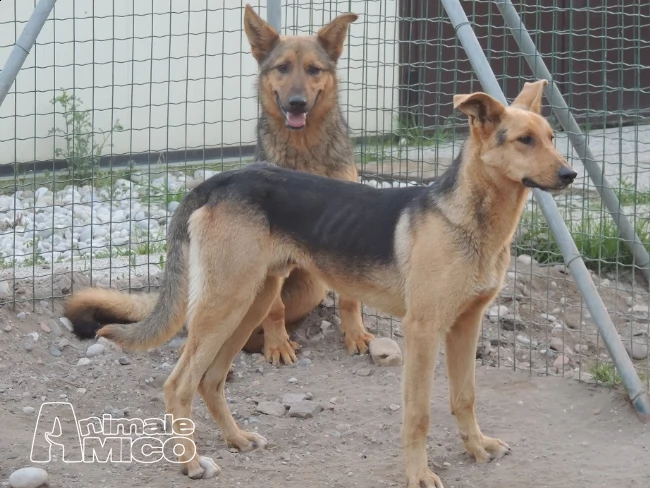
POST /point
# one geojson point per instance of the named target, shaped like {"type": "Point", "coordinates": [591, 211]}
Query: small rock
{"type": "Point", "coordinates": [56, 330]}
{"type": "Point", "coordinates": [55, 352]}
{"type": "Point", "coordinates": [94, 350]}
{"type": "Point", "coordinates": [398, 333]}
{"type": "Point", "coordinates": [557, 344]}
{"type": "Point", "coordinates": [83, 362]}
{"type": "Point", "coordinates": [66, 323]}
{"type": "Point", "coordinates": [123, 361]}
{"type": "Point", "coordinates": [581, 348]}
{"type": "Point", "coordinates": [561, 361]}
{"type": "Point", "coordinates": [5, 290]}
{"type": "Point", "coordinates": [495, 313]}
{"type": "Point", "coordinates": [63, 343]}
{"type": "Point", "coordinates": [293, 381]}
{"type": "Point", "coordinates": [641, 309]}
{"type": "Point", "coordinates": [28, 410]}
{"type": "Point", "coordinates": [274, 409]}
{"type": "Point", "coordinates": [28, 478]}
{"type": "Point", "coordinates": [28, 347]}
{"type": "Point", "coordinates": [116, 413]}
{"type": "Point", "coordinates": [525, 259]}
{"type": "Point", "coordinates": [34, 336]}
{"type": "Point", "coordinates": [290, 399]}
{"type": "Point", "coordinates": [81, 391]}
{"type": "Point", "coordinates": [636, 350]}
{"type": "Point", "coordinates": [511, 321]}
{"type": "Point", "coordinates": [525, 341]}
{"type": "Point", "coordinates": [304, 362]}
{"type": "Point", "coordinates": [364, 372]}
{"type": "Point", "coordinates": [21, 315]}
{"type": "Point", "coordinates": [385, 352]}
{"type": "Point", "coordinates": [7, 328]}
{"type": "Point", "coordinates": [305, 409]}
{"type": "Point", "coordinates": [45, 328]}
{"type": "Point", "coordinates": [483, 351]}
{"type": "Point", "coordinates": [394, 407]}
{"type": "Point", "coordinates": [548, 317]}
{"type": "Point", "coordinates": [326, 326]}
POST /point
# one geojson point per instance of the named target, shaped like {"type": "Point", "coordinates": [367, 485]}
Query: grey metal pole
{"type": "Point", "coordinates": [24, 45]}
{"type": "Point", "coordinates": [274, 14]}
{"type": "Point", "coordinates": [577, 138]}
{"type": "Point", "coordinates": [634, 386]}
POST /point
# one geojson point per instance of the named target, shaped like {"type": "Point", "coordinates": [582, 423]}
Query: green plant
{"type": "Point", "coordinates": [629, 195]}
{"type": "Point", "coordinates": [83, 150]}
{"type": "Point", "coordinates": [596, 238]}
{"type": "Point", "coordinates": [411, 132]}
{"type": "Point", "coordinates": [606, 374]}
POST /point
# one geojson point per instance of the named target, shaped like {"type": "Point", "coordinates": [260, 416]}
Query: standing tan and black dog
{"type": "Point", "coordinates": [434, 255]}
{"type": "Point", "coordinates": [301, 127]}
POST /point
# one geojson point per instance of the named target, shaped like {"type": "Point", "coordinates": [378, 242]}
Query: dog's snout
{"type": "Point", "coordinates": [297, 103]}
{"type": "Point", "coordinates": [567, 175]}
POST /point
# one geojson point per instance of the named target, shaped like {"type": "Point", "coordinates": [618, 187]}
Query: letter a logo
{"type": "Point", "coordinates": [56, 427]}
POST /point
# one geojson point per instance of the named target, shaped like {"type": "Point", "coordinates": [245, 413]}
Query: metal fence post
{"type": "Point", "coordinates": [24, 45]}
{"type": "Point", "coordinates": [274, 14]}
{"type": "Point", "coordinates": [637, 393]}
{"type": "Point", "coordinates": [577, 138]}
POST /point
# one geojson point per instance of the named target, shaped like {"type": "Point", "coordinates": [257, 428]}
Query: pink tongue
{"type": "Point", "coordinates": [296, 120]}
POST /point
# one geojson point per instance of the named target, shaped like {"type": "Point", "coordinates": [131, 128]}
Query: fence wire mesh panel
{"type": "Point", "coordinates": [122, 107]}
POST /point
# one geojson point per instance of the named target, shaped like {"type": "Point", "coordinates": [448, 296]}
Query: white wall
{"type": "Point", "coordinates": [176, 73]}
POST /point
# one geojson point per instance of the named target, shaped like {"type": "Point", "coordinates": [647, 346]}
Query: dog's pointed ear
{"type": "Point", "coordinates": [332, 35]}
{"type": "Point", "coordinates": [484, 112]}
{"type": "Point", "coordinates": [530, 97]}
{"type": "Point", "coordinates": [261, 36]}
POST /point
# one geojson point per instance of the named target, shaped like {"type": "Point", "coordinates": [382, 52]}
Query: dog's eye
{"type": "Point", "coordinates": [526, 140]}
{"type": "Point", "coordinates": [283, 68]}
{"type": "Point", "coordinates": [314, 70]}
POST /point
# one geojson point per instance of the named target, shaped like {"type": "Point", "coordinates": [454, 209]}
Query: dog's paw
{"type": "Point", "coordinates": [428, 479]}
{"type": "Point", "coordinates": [357, 341]}
{"type": "Point", "coordinates": [247, 441]}
{"type": "Point", "coordinates": [487, 449]}
{"type": "Point", "coordinates": [200, 468]}
{"type": "Point", "coordinates": [285, 351]}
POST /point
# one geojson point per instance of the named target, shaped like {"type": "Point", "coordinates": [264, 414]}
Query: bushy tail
{"type": "Point", "coordinates": [92, 308]}
{"type": "Point", "coordinates": [134, 322]}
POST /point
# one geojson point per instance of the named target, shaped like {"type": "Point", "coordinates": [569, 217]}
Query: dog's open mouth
{"type": "Point", "coordinates": [293, 120]}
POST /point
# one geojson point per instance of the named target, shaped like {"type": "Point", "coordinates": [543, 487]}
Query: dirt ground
{"type": "Point", "coordinates": [563, 433]}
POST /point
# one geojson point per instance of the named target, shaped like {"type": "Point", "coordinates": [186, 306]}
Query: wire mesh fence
{"type": "Point", "coordinates": [122, 107]}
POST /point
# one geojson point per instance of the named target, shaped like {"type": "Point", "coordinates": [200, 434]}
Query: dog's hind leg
{"type": "Point", "coordinates": [204, 340]}
{"type": "Point", "coordinates": [354, 332]}
{"type": "Point", "coordinates": [226, 269]}
{"type": "Point", "coordinates": [213, 383]}
{"type": "Point", "coordinates": [460, 353]}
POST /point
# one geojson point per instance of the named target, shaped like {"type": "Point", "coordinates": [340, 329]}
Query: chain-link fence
{"type": "Point", "coordinates": [122, 107]}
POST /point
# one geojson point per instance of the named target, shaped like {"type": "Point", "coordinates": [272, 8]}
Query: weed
{"type": "Point", "coordinates": [606, 374]}
{"type": "Point", "coordinates": [629, 195]}
{"type": "Point", "coordinates": [82, 150]}
{"type": "Point", "coordinates": [596, 237]}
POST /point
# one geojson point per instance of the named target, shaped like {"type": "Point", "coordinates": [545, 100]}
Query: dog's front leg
{"type": "Point", "coordinates": [422, 342]}
{"type": "Point", "coordinates": [460, 354]}
{"type": "Point", "coordinates": [355, 335]}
